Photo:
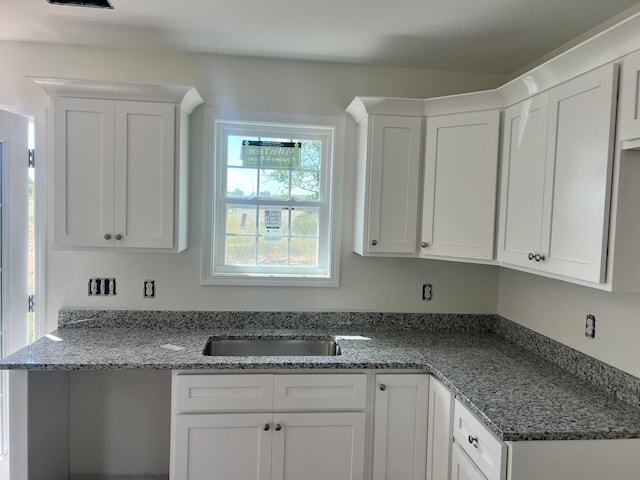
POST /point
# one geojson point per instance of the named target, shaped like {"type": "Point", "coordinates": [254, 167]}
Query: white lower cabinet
{"type": "Point", "coordinates": [439, 431]}
{"type": "Point", "coordinates": [479, 455]}
{"type": "Point", "coordinates": [400, 427]}
{"type": "Point", "coordinates": [462, 468]}
{"type": "Point", "coordinates": [263, 446]}
{"type": "Point", "coordinates": [268, 426]}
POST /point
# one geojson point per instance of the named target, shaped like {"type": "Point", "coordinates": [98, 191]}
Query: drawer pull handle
{"type": "Point", "coordinates": [473, 441]}
{"type": "Point", "coordinates": [383, 387]}
{"type": "Point", "coordinates": [374, 242]}
{"type": "Point", "coordinates": [278, 427]}
{"type": "Point", "coordinates": [266, 427]}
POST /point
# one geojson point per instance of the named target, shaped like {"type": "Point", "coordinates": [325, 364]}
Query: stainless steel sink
{"type": "Point", "coordinates": [272, 347]}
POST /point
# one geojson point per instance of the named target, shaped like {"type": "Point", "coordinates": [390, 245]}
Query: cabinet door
{"type": "Point", "coordinates": [144, 174]}
{"type": "Point", "coordinates": [400, 427]}
{"type": "Point", "coordinates": [440, 432]}
{"type": "Point", "coordinates": [394, 185]}
{"type": "Point", "coordinates": [522, 191]}
{"type": "Point", "coordinates": [318, 446]}
{"type": "Point", "coordinates": [459, 195]}
{"type": "Point", "coordinates": [232, 446]}
{"type": "Point", "coordinates": [630, 98]}
{"type": "Point", "coordinates": [462, 468]}
{"type": "Point", "coordinates": [577, 188]}
{"type": "Point", "coordinates": [83, 172]}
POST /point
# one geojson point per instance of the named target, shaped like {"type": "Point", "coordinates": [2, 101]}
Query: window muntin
{"type": "Point", "coordinates": [297, 240]}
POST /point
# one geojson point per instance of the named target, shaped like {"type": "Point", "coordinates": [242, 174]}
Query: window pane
{"type": "Point", "coordinates": [305, 221]}
{"type": "Point", "coordinates": [305, 185]}
{"type": "Point", "coordinates": [234, 149]}
{"type": "Point", "coordinates": [304, 252]}
{"type": "Point", "coordinates": [274, 184]}
{"type": "Point", "coordinates": [241, 220]}
{"type": "Point", "coordinates": [242, 182]}
{"type": "Point", "coordinates": [240, 250]}
{"type": "Point", "coordinates": [311, 154]}
{"type": "Point", "coordinates": [272, 254]}
{"type": "Point", "coordinates": [284, 220]}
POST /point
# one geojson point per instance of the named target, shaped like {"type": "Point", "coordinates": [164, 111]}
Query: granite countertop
{"type": "Point", "coordinates": [517, 394]}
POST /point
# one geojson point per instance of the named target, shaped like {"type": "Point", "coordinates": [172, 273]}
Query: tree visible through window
{"type": "Point", "coordinates": [271, 201]}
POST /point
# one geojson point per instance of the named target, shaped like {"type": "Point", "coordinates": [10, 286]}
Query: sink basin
{"type": "Point", "coordinates": [272, 347]}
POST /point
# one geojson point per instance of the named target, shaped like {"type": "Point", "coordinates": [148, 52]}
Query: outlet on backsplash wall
{"type": "Point", "coordinates": [590, 327]}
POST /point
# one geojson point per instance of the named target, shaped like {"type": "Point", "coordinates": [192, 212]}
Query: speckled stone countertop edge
{"type": "Point", "coordinates": [610, 379]}
{"type": "Point", "coordinates": [402, 323]}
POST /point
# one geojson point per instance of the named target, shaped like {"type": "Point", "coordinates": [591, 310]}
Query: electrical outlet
{"type": "Point", "coordinates": [590, 326]}
{"type": "Point", "coordinates": [149, 289]}
{"type": "Point", "coordinates": [102, 287]}
{"type": "Point", "coordinates": [427, 291]}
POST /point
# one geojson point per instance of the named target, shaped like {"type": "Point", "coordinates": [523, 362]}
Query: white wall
{"type": "Point", "coordinates": [558, 310]}
{"type": "Point", "coordinates": [258, 85]}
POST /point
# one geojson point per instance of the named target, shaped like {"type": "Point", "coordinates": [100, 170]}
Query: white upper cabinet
{"type": "Point", "coordinates": [524, 153]}
{"type": "Point", "coordinates": [120, 164]}
{"type": "Point", "coordinates": [558, 224]}
{"type": "Point", "coordinates": [460, 177]}
{"type": "Point", "coordinates": [630, 101]}
{"type": "Point", "coordinates": [387, 180]}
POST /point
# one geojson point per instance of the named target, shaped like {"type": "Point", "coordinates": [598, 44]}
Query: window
{"type": "Point", "coordinates": [269, 197]}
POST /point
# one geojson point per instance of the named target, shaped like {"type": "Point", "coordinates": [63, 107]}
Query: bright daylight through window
{"type": "Point", "coordinates": [270, 204]}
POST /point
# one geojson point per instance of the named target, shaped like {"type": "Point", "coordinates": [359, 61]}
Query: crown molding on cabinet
{"type": "Point", "coordinates": [184, 95]}
{"type": "Point", "coordinates": [606, 47]}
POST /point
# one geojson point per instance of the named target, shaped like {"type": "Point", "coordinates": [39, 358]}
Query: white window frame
{"type": "Point", "coordinates": [217, 125]}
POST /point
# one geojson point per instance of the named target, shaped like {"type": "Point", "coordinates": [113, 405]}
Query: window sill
{"type": "Point", "coordinates": [270, 280]}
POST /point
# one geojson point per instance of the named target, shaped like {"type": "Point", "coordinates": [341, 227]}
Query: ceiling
{"type": "Point", "coordinates": [497, 36]}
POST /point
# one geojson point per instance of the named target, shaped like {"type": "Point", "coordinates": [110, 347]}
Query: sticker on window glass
{"type": "Point", "coordinates": [258, 153]}
{"type": "Point", "coordinates": [272, 226]}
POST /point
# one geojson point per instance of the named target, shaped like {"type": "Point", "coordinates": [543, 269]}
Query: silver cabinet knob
{"type": "Point", "coordinates": [107, 236]}
{"type": "Point", "coordinates": [266, 427]}
{"type": "Point", "coordinates": [539, 257]}
{"type": "Point", "coordinates": [118, 237]}
{"type": "Point", "coordinates": [374, 242]}
{"type": "Point", "coordinates": [383, 387]}
{"type": "Point", "coordinates": [531, 256]}
{"type": "Point", "coordinates": [424, 244]}
{"type": "Point", "coordinates": [278, 427]}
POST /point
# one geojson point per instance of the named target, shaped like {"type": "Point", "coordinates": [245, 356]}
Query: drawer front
{"type": "Point", "coordinates": [487, 452]}
{"type": "Point", "coordinates": [206, 392]}
{"type": "Point", "coordinates": [322, 392]}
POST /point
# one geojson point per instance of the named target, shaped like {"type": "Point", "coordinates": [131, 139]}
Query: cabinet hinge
{"type": "Point", "coordinates": [32, 302]}
{"type": "Point", "coordinates": [32, 158]}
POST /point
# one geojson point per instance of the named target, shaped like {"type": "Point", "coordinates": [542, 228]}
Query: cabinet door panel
{"type": "Point", "coordinates": [144, 152]}
{"type": "Point", "coordinates": [226, 446]}
{"type": "Point", "coordinates": [400, 436]}
{"type": "Point", "coordinates": [522, 191]}
{"type": "Point", "coordinates": [459, 195]}
{"type": "Point", "coordinates": [83, 172]}
{"type": "Point", "coordinates": [394, 184]}
{"type": "Point", "coordinates": [439, 431]}
{"type": "Point", "coordinates": [318, 446]}
{"type": "Point", "coordinates": [630, 98]}
{"type": "Point", "coordinates": [580, 149]}
{"type": "Point", "coordinates": [462, 468]}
